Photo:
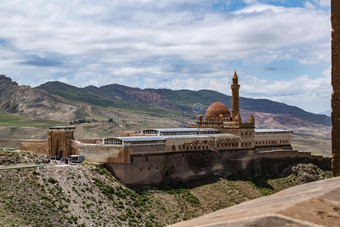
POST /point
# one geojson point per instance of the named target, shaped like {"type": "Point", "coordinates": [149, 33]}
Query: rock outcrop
{"type": "Point", "coordinates": [35, 102]}
{"type": "Point", "coordinates": [316, 203]}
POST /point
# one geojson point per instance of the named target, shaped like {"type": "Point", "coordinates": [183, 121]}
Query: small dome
{"type": "Point", "coordinates": [215, 110]}
{"type": "Point", "coordinates": [238, 118]}
{"type": "Point", "coordinates": [251, 118]}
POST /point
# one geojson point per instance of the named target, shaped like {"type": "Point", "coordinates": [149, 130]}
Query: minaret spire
{"type": "Point", "coordinates": [235, 102]}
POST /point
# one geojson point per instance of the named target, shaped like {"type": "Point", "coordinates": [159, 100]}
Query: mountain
{"type": "Point", "coordinates": [35, 102]}
{"type": "Point", "coordinates": [62, 102]}
{"type": "Point", "coordinates": [132, 102]}
{"type": "Point", "coordinates": [327, 112]}
{"type": "Point", "coordinates": [116, 95]}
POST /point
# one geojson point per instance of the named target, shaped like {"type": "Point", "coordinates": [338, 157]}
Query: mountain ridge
{"type": "Point", "coordinates": [63, 102]}
{"type": "Point", "coordinates": [183, 100]}
{"type": "Point", "coordinates": [35, 102]}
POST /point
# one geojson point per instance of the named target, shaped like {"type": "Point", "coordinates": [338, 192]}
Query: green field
{"type": "Point", "coordinates": [16, 120]}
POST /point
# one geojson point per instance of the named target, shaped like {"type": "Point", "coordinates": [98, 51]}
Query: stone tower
{"type": "Point", "coordinates": [59, 141]}
{"type": "Point", "coordinates": [235, 102]}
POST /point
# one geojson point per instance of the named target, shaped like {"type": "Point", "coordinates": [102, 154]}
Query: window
{"type": "Point", "coordinates": [146, 158]}
{"type": "Point", "coordinates": [131, 160]}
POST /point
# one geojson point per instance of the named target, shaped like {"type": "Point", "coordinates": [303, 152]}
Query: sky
{"type": "Point", "coordinates": [281, 49]}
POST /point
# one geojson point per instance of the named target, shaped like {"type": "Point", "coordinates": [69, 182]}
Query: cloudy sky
{"type": "Point", "coordinates": [280, 48]}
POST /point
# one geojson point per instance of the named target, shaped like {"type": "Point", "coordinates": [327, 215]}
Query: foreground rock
{"type": "Point", "coordinates": [304, 205]}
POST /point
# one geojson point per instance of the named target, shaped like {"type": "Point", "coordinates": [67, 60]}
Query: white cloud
{"type": "Point", "coordinates": [309, 5]}
{"type": "Point", "coordinates": [125, 32]}
{"type": "Point", "coordinates": [312, 94]}
{"type": "Point", "coordinates": [325, 3]}
{"type": "Point", "coordinates": [250, 1]}
{"type": "Point", "coordinates": [171, 43]}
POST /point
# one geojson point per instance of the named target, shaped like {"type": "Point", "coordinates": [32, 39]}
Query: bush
{"type": "Point", "coordinates": [51, 180]}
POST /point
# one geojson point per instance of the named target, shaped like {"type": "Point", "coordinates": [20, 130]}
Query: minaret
{"type": "Point", "coordinates": [235, 102]}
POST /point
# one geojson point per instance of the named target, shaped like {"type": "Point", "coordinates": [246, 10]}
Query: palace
{"type": "Point", "coordinates": [219, 143]}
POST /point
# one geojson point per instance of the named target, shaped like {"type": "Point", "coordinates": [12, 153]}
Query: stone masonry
{"type": "Point", "coordinates": [335, 18]}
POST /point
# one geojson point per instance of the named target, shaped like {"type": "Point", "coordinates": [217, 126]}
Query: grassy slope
{"type": "Point", "coordinates": [83, 95]}
{"type": "Point", "coordinates": [16, 120]}
{"type": "Point", "coordinates": [182, 99]}
{"type": "Point", "coordinates": [75, 195]}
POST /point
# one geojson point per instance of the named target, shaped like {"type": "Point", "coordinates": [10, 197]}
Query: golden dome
{"type": "Point", "coordinates": [215, 110]}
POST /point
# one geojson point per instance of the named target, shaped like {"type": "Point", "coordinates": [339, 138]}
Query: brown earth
{"type": "Point", "coordinates": [303, 205]}
{"type": "Point", "coordinates": [84, 194]}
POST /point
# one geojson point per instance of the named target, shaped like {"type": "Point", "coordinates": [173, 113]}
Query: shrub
{"type": "Point", "coordinates": [51, 180]}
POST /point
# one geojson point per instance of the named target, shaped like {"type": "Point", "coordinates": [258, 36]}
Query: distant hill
{"type": "Point", "coordinates": [327, 112]}
{"type": "Point", "coordinates": [35, 102]}
{"type": "Point", "coordinates": [103, 98]}
{"type": "Point", "coordinates": [116, 95]}
{"type": "Point", "coordinates": [62, 102]}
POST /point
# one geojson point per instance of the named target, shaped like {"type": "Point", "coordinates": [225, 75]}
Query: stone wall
{"type": "Point", "coordinates": [37, 146]}
{"type": "Point", "coordinates": [262, 140]}
{"type": "Point", "coordinates": [10, 143]}
{"type": "Point", "coordinates": [177, 167]}
{"type": "Point", "coordinates": [335, 18]}
{"type": "Point", "coordinates": [101, 153]}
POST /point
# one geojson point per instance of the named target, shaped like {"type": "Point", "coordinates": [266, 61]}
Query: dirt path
{"type": "Point", "coordinates": [30, 166]}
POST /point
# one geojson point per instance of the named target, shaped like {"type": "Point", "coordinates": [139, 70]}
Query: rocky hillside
{"type": "Point", "coordinates": [92, 96]}
{"type": "Point", "coordinates": [134, 95]}
{"type": "Point", "coordinates": [35, 102]}
{"type": "Point", "coordinates": [116, 95]}
{"type": "Point", "coordinates": [84, 195]}
{"type": "Point", "coordinates": [63, 102]}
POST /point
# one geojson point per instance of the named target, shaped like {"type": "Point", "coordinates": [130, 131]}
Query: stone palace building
{"type": "Point", "coordinates": [219, 143]}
